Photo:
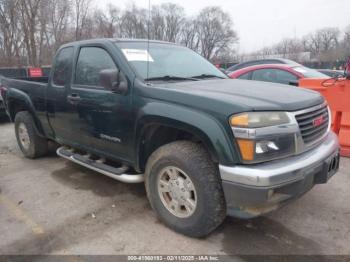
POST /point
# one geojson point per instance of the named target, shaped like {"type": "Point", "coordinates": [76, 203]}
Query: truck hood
{"type": "Point", "coordinates": [233, 95]}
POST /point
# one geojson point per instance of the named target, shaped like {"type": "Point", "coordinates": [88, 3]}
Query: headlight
{"type": "Point", "coordinates": [259, 119]}
{"type": "Point", "coordinates": [264, 136]}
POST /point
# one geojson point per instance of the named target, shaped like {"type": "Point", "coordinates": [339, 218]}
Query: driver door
{"type": "Point", "coordinates": [99, 116]}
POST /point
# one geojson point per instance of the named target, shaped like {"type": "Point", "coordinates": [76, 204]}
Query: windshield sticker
{"type": "Point", "coordinates": [137, 55]}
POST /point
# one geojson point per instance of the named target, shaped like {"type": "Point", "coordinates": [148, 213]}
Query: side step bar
{"type": "Point", "coordinates": [117, 173]}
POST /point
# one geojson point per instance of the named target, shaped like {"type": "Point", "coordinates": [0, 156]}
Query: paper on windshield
{"type": "Point", "coordinates": [137, 55]}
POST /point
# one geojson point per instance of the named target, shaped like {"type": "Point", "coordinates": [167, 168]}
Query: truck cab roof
{"type": "Point", "coordinates": [115, 40]}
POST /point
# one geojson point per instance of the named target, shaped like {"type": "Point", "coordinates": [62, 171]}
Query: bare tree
{"type": "Point", "coordinates": [215, 31]}
{"type": "Point", "coordinates": [166, 22]}
{"type": "Point", "coordinates": [10, 33]}
{"type": "Point", "coordinates": [189, 34]}
{"type": "Point", "coordinates": [34, 29]}
{"type": "Point", "coordinates": [58, 22]}
{"type": "Point", "coordinates": [157, 23]}
{"type": "Point", "coordinates": [134, 22]}
{"type": "Point", "coordinates": [81, 13]}
{"type": "Point", "coordinates": [174, 16]}
{"type": "Point", "coordinates": [43, 44]}
{"type": "Point", "coordinates": [323, 40]}
{"type": "Point", "coordinates": [346, 40]}
{"type": "Point", "coordinates": [226, 55]}
{"type": "Point", "coordinates": [288, 47]}
{"type": "Point", "coordinates": [29, 11]}
{"type": "Point", "coordinates": [347, 32]}
{"type": "Point", "coordinates": [312, 43]}
{"type": "Point", "coordinates": [329, 38]}
{"type": "Point", "coordinates": [108, 23]}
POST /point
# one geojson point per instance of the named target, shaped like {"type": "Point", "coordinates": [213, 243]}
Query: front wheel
{"type": "Point", "coordinates": [184, 188]}
{"type": "Point", "coordinates": [30, 143]}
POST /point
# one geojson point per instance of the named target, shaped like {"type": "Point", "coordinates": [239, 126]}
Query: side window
{"type": "Point", "coordinates": [274, 75]}
{"type": "Point", "coordinates": [63, 66]}
{"type": "Point", "coordinates": [285, 77]}
{"type": "Point", "coordinates": [90, 63]}
{"type": "Point", "coordinates": [263, 75]}
{"type": "Point", "coordinates": [245, 76]}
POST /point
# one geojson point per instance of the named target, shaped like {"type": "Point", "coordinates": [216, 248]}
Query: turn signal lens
{"type": "Point", "coordinates": [240, 120]}
{"type": "Point", "coordinates": [247, 148]}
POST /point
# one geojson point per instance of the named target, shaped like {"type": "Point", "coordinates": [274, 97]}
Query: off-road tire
{"type": "Point", "coordinates": [195, 161]}
{"type": "Point", "coordinates": [38, 145]}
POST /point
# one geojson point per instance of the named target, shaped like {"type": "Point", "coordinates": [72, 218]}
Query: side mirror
{"type": "Point", "coordinates": [123, 85]}
{"type": "Point", "coordinates": [114, 80]}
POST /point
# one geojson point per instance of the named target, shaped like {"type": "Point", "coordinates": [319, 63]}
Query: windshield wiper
{"type": "Point", "coordinates": [208, 76]}
{"type": "Point", "coordinates": [169, 78]}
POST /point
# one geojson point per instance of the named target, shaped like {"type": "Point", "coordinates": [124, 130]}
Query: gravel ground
{"type": "Point", "coordinates": [52, 206]}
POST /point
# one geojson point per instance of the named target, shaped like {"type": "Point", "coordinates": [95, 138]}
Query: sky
{"type": "Point", "coordinates": [262, 23]}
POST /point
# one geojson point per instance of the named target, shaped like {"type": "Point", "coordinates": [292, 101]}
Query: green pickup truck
{"type": "Point", "coordinates": [204, 145]}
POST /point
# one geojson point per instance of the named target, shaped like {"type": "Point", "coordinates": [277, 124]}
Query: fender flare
{"type": "Point", "coordinates": [207, 128]}
{"type": "Point", "coordinates": [14, 96]}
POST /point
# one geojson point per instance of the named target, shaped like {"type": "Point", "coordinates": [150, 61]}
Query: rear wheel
{"type": "Point", "coordinates": [184, 188]}
{"type": "Point", "coordinates": [31, 145]}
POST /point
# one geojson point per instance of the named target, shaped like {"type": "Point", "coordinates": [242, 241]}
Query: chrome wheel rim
{"type": "Point", "coordinates": [23, 136]}
{"type": "Point", "coordinates": [177, 192]}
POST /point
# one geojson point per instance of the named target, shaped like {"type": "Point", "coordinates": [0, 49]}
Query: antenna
{"type": "Point", "coordinates": [148, 35]}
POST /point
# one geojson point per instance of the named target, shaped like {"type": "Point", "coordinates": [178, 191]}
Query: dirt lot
{"type": "Point", "coordinates": [51, 206]}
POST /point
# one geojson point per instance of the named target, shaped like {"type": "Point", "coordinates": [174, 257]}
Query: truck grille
{"type": "Point", "coordinates": [313, 124]}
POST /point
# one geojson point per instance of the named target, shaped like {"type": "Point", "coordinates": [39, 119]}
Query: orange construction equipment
{"type": "Point", "coordinates": [337, 93]}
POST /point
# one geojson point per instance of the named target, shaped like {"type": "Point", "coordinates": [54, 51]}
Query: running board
{"type": "Point", "coordinates": [117, 173]}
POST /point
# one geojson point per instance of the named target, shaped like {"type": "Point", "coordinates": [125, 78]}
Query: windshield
{"type": "Point", "coordinates": [167, 60]}
{"type": "Point", "coordinates": [309, 73]}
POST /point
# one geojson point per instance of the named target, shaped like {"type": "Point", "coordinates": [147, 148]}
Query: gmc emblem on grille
{"type": "Point", "coordinates": [318, 121]}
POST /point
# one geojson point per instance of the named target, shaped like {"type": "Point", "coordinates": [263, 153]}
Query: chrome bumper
{"type": "Point", "coordinates": [281, 171]}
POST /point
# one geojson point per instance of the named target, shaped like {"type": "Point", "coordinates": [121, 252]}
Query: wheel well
{"type": "Point", "coordinates": [157, 135]}
{"type": "Point", "coordinates": [15, 107]}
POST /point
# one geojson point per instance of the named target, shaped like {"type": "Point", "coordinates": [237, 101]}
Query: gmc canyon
{"type": "Point", "coordinates": [204, 145]}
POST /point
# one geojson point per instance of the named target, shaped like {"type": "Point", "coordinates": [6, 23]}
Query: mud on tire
{"type": "Point", "coordinates": [30, 143]}
{"type": "Point", "coordinates": [195, 161]}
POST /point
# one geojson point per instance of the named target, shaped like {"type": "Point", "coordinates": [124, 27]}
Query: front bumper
{"type": "Point", "coordinates": [252, 190]}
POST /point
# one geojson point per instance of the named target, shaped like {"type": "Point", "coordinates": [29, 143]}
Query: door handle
{"type": "Point", "coordinates": [73, 98]}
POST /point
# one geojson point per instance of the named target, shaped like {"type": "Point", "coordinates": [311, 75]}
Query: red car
{"type": "Point", "coordinates": [276, 73]}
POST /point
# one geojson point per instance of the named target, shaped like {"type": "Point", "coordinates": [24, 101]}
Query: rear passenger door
{"type": "Point", "coordinates": [56, 97]}
{"type": "Point", "coordinates": [100, 116]}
